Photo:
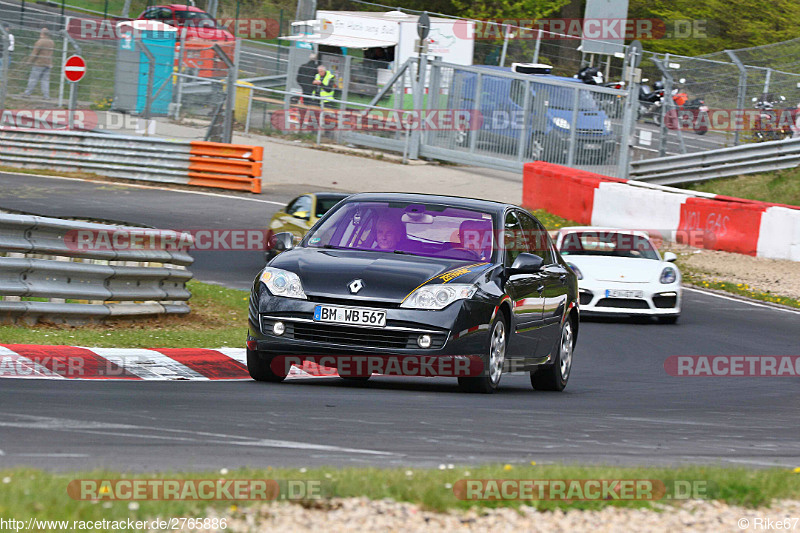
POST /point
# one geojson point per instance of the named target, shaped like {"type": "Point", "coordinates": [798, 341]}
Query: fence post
{"type": "Point", "coordinates": [476, 102]}
{"type": "Point", "coordinates": [526, 124]}
{"type": "Point", "coordinates": [4, 44]}
{"type": "Point", "coordinates": [418, 97]}
{"type": "Point", "coordinates": [538, 46]}
{"type": "Point", "coordinates": [433, 95]}
{"type": "Point", "coordinates": [151, 64]}
{"type": "Point", "coordinates": [506, 36]}
{"type": "Point", "coordinates": [573, 130]}
{"type": "Point", "coordinates": [766, 80]}
{"type": "Point", "coordinates": [178, 96]}
{"type": "Point", "coordinates": [740, 97]}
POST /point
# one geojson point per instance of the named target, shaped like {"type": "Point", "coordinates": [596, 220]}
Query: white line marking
{"type": "Point", "coordinates": [96, 428]}
{"type": "Point", "coordinates": [2, 453]}
{"type": "Point", "coordinates": [148, 364]}
{"type": "Point", "coordinates": [138, 186]}
{"type": "Point", "coordinates": [742, 301]}
{"type": "Point", "coordinates": [14, 365]}
{"type": "Point", "coordinates": [65, 455]}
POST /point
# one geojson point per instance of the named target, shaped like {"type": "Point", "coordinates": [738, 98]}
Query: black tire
{"type": "Point", "coordinates": [493, 360]}
{"type": "Point", "coordinates": [260, 369]}
{"type": "Point", "coordinates": [670, 319]}
{"type": "Point", "coordinates": [554, 377]}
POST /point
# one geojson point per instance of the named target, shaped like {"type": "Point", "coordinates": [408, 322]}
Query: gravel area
{"type": "Point", "coordinates": [780, 277]}
{"type": "Point", "coordinates": [361, 515]}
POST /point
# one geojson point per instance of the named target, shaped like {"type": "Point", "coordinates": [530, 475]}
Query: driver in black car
{"type": "Point", "coordinates": [390, 233]}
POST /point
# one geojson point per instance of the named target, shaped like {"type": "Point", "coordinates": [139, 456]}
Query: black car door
{"type": "Point", "coordinates": [525, 291]}
{"type": "Point", "coordinates": [554, 278]}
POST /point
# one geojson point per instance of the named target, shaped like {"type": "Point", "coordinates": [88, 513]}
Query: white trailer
{"type": "Point", "coordinates": [391, 36]}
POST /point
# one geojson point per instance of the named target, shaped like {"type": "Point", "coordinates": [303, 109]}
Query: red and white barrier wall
{"type": "Point", "coordinates": [704, 220]}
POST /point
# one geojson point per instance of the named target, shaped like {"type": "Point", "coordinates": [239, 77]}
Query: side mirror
{"type": "Point", "coordinates": [283, 241]}
{"type": "Point", "coordinates": [526, 264]}
{"type": "Point", "coordinates": [670, 257]}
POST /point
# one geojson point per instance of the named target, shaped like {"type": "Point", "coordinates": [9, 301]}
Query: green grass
{"type": "Point", "coordinates": [218, 318]}
{"type": "Point", "coordinates": [781, 187]}
{"type": "Point", "coordinates": [29, 493]}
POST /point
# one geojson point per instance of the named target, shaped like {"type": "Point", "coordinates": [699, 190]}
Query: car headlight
{"type": "Point", "coordinates": [668, 275]}
{"type": "Point", "coordinates": [561, 123]}
{"type": "Point", "coordinates": [607, 124]}
{"type": "Point", "coordinates": [576, 270]}
{"type": "Point", "coordinates": [283, 283]}
{"type": "Point", "coordinates": [438, 296]}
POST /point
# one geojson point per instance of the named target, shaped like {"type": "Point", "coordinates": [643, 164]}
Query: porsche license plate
{"type": "Point", "coordinates": [350, 315]}
{"type": "Point", "coordinates": [621, 293]}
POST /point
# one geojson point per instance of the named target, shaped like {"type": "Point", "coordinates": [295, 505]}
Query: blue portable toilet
{"type": "Point", "coordinates": [132, 68]}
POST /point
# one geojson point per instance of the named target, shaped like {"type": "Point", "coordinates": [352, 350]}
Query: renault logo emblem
{"type": "Point", "coordinates": [356, 285]}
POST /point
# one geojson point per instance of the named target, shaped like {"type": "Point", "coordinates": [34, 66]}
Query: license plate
{"type": "Point", "coordinates": [621, 293]}
{"type": "Point", "coordinates": [350, 315]}
{"type": "Point", "coordinates": [591, 146]}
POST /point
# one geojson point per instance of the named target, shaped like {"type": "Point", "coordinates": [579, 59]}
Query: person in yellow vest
{"type": "Point", "coordinates": [325, 83]}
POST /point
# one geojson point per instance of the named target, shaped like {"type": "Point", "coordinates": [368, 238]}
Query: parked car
{"type": "Point", "coordinates": [621, 272]}
{"type": "Point", "coordinates": [546, 132]}
{"type": "Point", "coordinates": [299, 216]}
{"type": "Point", "coordinates": [198, 23]}
{"type": "Point", "coordinates": [416, 275]}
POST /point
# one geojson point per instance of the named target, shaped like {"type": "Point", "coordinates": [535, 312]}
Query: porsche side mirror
{"type": "Point", "coordinates": [283, 241]}
{"type": "Point", "coordinates": [526, 264]}
{"type": "Point", "coordinates": [670, 257]}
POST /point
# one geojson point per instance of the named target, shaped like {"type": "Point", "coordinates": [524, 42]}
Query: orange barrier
{"type": "Point", "coordinates": [226, 166]}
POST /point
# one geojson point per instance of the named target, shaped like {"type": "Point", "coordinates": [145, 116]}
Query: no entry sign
{"type": "Point", "coordinates": [74, 68]}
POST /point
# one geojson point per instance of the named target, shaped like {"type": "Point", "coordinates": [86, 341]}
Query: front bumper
{"type": "Point", "coordinates": [664, 300]}
{"type": "Point", "coordinates": [460, 329]}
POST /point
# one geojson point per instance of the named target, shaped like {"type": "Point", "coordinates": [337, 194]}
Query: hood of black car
{"type": "Point", "coordinates": [384, 277]}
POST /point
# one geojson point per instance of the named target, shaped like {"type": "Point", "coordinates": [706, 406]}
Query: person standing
{"type": "Point", "coordinates": [41, 61]}
{"type": "Point", "coordinates": [326, 84]}
{"type": "Point", "coordinates": [305, 75]}
{"type": "Point", "coordinates": [10, 46]}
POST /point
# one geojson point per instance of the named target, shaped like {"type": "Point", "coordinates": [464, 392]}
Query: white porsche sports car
{"type": "Point", "coordinates": [620, 272]}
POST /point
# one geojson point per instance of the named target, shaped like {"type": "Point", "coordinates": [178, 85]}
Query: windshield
{"type": "Point", "coordinates": [558, 97]}
{"type": "Point", "coordinates": [196, 18]}
{"type": "Point", "coordinates": [408, 228]}
{"type": "Point", "coordinates": [611, 244]}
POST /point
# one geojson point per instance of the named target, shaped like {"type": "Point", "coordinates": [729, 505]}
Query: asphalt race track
{"type": "Point", "coordinates": [620, 407]}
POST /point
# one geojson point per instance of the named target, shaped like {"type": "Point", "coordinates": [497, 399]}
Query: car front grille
{"type": "Point", "coordinates": [664, 302]}
{"type": "Point", "coordinates": [623, 303]}
{"type": "Point", "coordinates": [348, 301]}
{"type": "Point", "coordinates": [354, 336]}
{"type": "Point", "coordinates": [585, 297]}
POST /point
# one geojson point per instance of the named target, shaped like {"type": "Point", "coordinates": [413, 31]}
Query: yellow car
{"type": "Point", "coordinates": [300, 215]}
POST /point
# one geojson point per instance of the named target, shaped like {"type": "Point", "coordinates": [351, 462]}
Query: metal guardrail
{"type": "Point", "coordinates": [725, 162]}
{"type": "Point", "coordinates": [42, 266]}
{"type": "Point", "coordinates": [219, 165]}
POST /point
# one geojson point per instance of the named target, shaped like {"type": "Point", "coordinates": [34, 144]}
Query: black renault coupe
{"type": "Point", "coordinates": [416, 277]}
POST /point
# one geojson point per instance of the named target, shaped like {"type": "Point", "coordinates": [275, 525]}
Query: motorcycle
{"type": "Point", "coordinates": [694, 110]}
{"type": "Point", "coordinates": [650, 102]}
{"type": "Point", "coordinates": [769, 124]}
{"type": "Point", "coordinates": [593, 76]}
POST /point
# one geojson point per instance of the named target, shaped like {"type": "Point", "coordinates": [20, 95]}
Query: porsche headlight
{"type": "Point", "coordinates": [283, 283]}
{"type": "Point", "coordinates": [668, 275]}
{"type": "Point", "coordinates": [561, 123]}
{"type": "Point", "coordinates": [575, 269]}
{"type": "Point", "coordinates": [438, 296]}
